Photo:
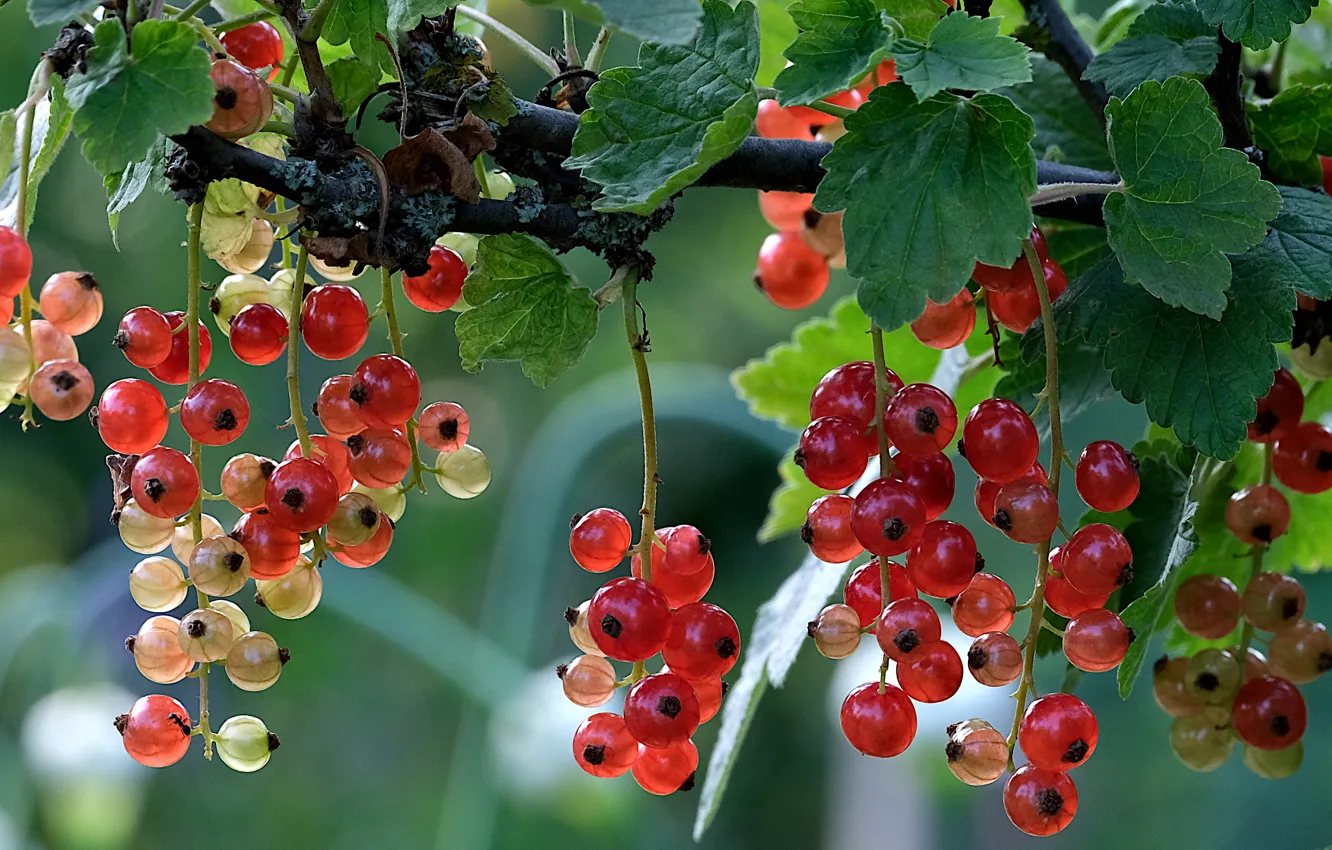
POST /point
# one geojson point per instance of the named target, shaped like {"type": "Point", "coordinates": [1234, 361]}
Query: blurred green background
{"type": "Point", "coordinates": [420, 709]}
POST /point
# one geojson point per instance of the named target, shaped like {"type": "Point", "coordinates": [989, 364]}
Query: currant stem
{"type": "Point", "coordinates": [191, 10]}
{"type": "Point", "coordinates": [395, 339]}
{"type": "Point", "coordinates": [530, 50]}
{"type": "Point", "coordinates": [1052, 192]}
{"type": "Point", "coordinates": [571, 42]}
{"type": "Point", "coordinates": [40, 79]}
{"type": "Point", "coordinates": [638, 345]}
{"type": "Point", "coordinates": [294, 352]}
{"type": "Point", "coordinates": [598, 50]}
{"type": "Point", "coordinates": [881, 389]}
{"type": "Point", "coordinates": [196, 449]}
{"type": "Point", "coordinates": [1246, 635]}
{"type": "Point", "coordinates": [243, 20]}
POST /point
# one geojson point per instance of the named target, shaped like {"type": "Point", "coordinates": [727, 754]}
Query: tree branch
{"type": "Point", "coordinates": [1064, 45]}
{"type": "Point", "coordinates": [1225, 85]}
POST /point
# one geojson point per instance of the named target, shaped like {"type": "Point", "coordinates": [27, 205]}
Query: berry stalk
{"type": "Point", "coordinates": [395, 339]}
{"type": "Point", "coordinates": [638, 346]}
{"type": "Point", "coordinates": [294, 354]}
{"type": "Point", "coordinates": [40, 78]}
{"type": "Point", "coordinates": [881, 393]}
{"type": "Point", "coordinates": [1259, 549]}
{"type": "Point", "coordinates": [538, 56]}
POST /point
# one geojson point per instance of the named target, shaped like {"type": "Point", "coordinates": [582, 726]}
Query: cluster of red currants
{"type": "Point", "coordinates": [898, 514]}
{"type": "Point", "coordinates": [632, 619]}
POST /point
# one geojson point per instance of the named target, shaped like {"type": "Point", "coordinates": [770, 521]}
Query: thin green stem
{"type": "Point", "coordinates": [243, 21]}
{"type": "Point", "coordinates": [294, 353]}
{"type": "Point", "coordinates": [638, 347]}
{"type": "Point", "coordinates": [1246, 635]}
{"type": "Point", "coordinates": [395, 340]}
{"type": "Point", "coordinates": [530, 50]}
{"type": "Point", "coordinates": [281, 92]}
{"type": "Point", "coordinates": [286, 243]}
{"type": "Point", "coordinates": [881, 392]}
{"type": "Point", "coordinates": [196, 449]}
{"type": "Point", "coordinates": [206, 33]}
{"type": "Point", "coordinates": [598, 51]}
{"type": "Point", "coordinates": [314, 23]}
{"type": "Point", "coordinates": [1052, 192]}
{"type": "Point", "coordinates": [191, 10]}
{"type": "Point", "coordinates": [571, 42]}
{"type": "Point", "coordinates": [25, 296]}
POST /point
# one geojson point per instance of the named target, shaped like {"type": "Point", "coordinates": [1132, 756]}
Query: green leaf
{"type": "Point", "coordinates": [840, 40]}
{"type": "Point", "coordinates": [657, 21]}
{"type": "Point", "coordinates": [525, 307]}
{"type": "Point", "coordinates": [1076, 247]}
{"type": "Point", "coordinates": [125, 100]}
{"type": "Point", "coordinates": [1083, 380]}
{"type": "Point", "coordinates": [357, 21]}
{"type": "Point", "coordinates": [353, 81]}
{"type": "Point", "coordinates": [962, 52]}
{"type": "Point", "coordinates": [1256, 23]}
{"type": "Point", "coordinates": [790, 502]}
{"type": "Point", "coordinates": [1187, 200]}
{"type": "Point", "coordinates": [124, 187]}
{"type": "Point", "coordinates": [43, 12]}
{"type": "Point", "coordinates": [231, 206]}
{"type": "Point", "coordinates": [49, 130]}
{"type": "Point", "coordinates": [654, 129]}
{"type": "Point", "coordinates": [1066, 130]}
{"type": "Point", "coordinates": [406, 14]}
{"type": "Point", "coordinates": [928, 188]}
{"type": "Point", "coordinates": [777, 32]}
{"type": "Point", "coordinates": [1295, 127]}
{"type": "Point", "coordinates": [8, 135]}
{"type": "Point", "coordinates": [1297, 251]}
{"type": "Point", "coordinates": [1165, 41]}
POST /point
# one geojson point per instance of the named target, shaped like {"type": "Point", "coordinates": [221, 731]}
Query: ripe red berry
{"type": "Point", "coordinates": [214, 412]}
{"type": "Point", "coordinates": [386, 391]}
{"type": "Point", "coordinates": [156, 731]}
{"type": "Point", "coordinates": [444, 426]}
{"type": "Point", "coordinates": [175, 369]}
{"type": "Point", "coordinates": [789, 272]}
{"type": "Point", "coordinates": [1258, 514]}
{"type": "Point", "coordinates": [985, 606]}
{"type": "Point", "coordinates": [332, 454]}
{"type": "Point", "coordinates": [666, 770]}
{"type": "Point", "coordinates": [165, 483]}
{"type": "Point", "coordinates": [904, 626]}
{"type": "Point", "coordinates": [888, 517]}
{"type": "Point", "coordinates": [1026, 511]}
{"type": "Point", "coordinates": [335, 409]}
{"type": "Point", "coordinates": [848, 392]}
{"type": "Point", "coordinates": [784, 210]}
{"type": "Point", "coordinates": [379, 457]}
{"type": "Point", "coordinates": [827, 529]}
{"type": "Point", "coordinates": [599, 539]}
{"type": "Point", "coordinates": [258, 334]}
{"type": "Point", "coordinates": [995, 659]}
{"type": "Point", "coordinates": [933, 674]}
{"type": "Point", "coordinates": [144, 337]}
{"type": "Point", "coordinates": [1019, 309]}
{"type": "Point", "coordinates": [334, 321]}
{"type": "Point", "coordinates": [931, 477]}
{"type": "Point", "coordinates": [1040, 802]}
{"type": "Point", "coordinates": [1207, 606]}
{"type": "Point", "coordinates": [864, 589]}
{"type": "Point", "coordinates": [775, 122]}
{"type": "Point", "coordinates": [687, 550]}
{"type": "Point", "coordinates": [15, 263]}
{"type": "Point", "coordinates": [1279, 411]}
{"type": "Point", "coordinates": [944, 560]}
{"type": "Point", "coordinates": [945, 325]}
{"type": "Point", "coordinates": [1058, 732]}
{"type": "Point", "coordinates": [1012, 277]}
{"type": "Point", "coordinates": [242, 103]}
{"type": "Point", "coordinates": [1273, 602]}
{"type": "Point", "coordinates": [273, 548]}
{"type": "Point", "coordinates": [920, 419]}
{"type": "Point", "coordinates": [1096, 640]}
{"type": "Point", "coordinates": [988, 491]}
{"type": "Point", "coordinates": [679, 590]}
{"type": "Point", "coordinates": [878, 724]}
{"type": "Point", "coordinates": [1269, 713]}
{"type": "Point", "coordinates": [1060, 594]}
{"type": "Point", "coordinates": [1303, 458]}
{"type": "Point", "coordinates": [661, 710]}
{"type": "Point", "coordinates": [999, 440]}
{"type": "Point", "coordinates": [704, 642]}
{"type": "Point", "coordinates": [630, 619]}
{"type": "Point", "coordinates": [1107, 476]}
{"type": "Point", "coordinates": [301, 494]}
{"type": "Point", "coordinates": [131, 416]}
{"type": "Point", "coordinates": [255, 46]}
{"type": "Point", "coordinates": [831, 452]}
{"type": "Point", "coordinates": [372, 551]}
{"type": "Point", "coordinates": [1097, 559]}
{"type": "Point", "coordinates": [439, 288]}
{"type": "Point", "coordinates": [710, 693]}
{"type": "Point", "coordinates": [1302, 652]}
{"type": "Point", "coordinates": [603, 747]}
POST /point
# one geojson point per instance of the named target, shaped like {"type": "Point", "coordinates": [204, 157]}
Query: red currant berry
{"type": "Point", "coordinates": [16, 262]}
{"type": "Point", "coordinates": [679, 590]}
{"type": "Point", "coordinates": [1040, 802]}
{"type": "Point", "coordinates": [255, 46]}
{"type": "Point", "coordinates": [1171, 690]}
{"type": "Point", "coordinates": [704, 642]}
{"type": "Point", "coordinates": [710, 693]}
{"type": "Point", "coordinates": [1096, 640]}
{"type": "Point", "coordinates": [243, 480]}
{"type": "Point", "coordinates": [599, 539]}
{"type": "Point", "coordinates": [242, 103]}
{"type": "Point", "coordinates": [944, 561]}
{"type": "Point", "coordinates": [920, 420]}
{"type": "Point", "coordinates": [666, 770]}
{"type": "Point", "coordinates": [789, 272]}
{"type": "Point", "coordinates": [214, 412]}
{"type": "Point", "coordinates": [888, 517]}
{"type": "Point", "coordinates": [379, 457]}
{"type": "Point", "coordinates": [301, 494]}
{"type": "Point", "coordinates": [1269, 713]}
{"type": "Point", "coordinates": [1258, 514]}
{"type": "Point", "coordinates": [985, 606]}
{"type": "Point", "coordinates": [687, 550]}
{"type": "Point", "coordinates": [175, 369]}
{"type": "Point", "coordinates": [1303, 458]}
{"type": "Point", "coordinates": [335, 409]}
{"type": "Point", "coordinates": [62, 389]}
{"type": "Point", "coordinates": [131, 416]}
{"type": "Point", "coordinates": [827, 529]}
{"type": "Point", "coordinates": [385, 390]}
{"type": "Point", "coordinates": [1097, 559]}
{"type": "Point", "coordinates": [774, 122]}
{"type": "Point", "coordinates": [1062, 597]}
{"type": "Point", "coordinates": [1273, 602]}
{"type": "Point", "coordinates": [71, 302]}
{"type": "Point", "coordinates": [1058, 732]}
{"type": "Point", "coordinates": [1278, 411]}
{"type": "Point", "coordinates": [904, 626]}
{"type": "Point", "coordinates": [444, 426]}
{"type": "Point", "coordinates": [784, 210]}
{"type": "Point", "coordinates": [1013, 277]}
{"type": "Point", "coordinates": [1026, 511]}
{"type": "Point", "coordinates": [1207, 606]}
{"type": "Point", "coordinates": [144, 337]}
{"type": "Point", "coordinates": [1019, 309]}
{"type": "Point", "coordinates": [372, 551]}
{"type": "Point", "coordinates": [987, 491]}
{"type": "Point", "coordinates": [877, 724]}
{"type": "Point", "coordinates": [165, 483]}
{"type": "Point", "coordinates": [331, 454]}
{"type": "Point", "coordinates": [630, 619]}
{"type": "Point", "coordinates": [603, 747]}
{"type": "Point", "coordinates": [931, 477]}
{"type": "Point", "coordinates": [848, 392]}
{"type": "Point", "coordinates": [1302, 652]}
{"type": "Point", "coordinates": [661, 710]}
{"type": "Point", "coordinates": [439, 288]}
{"type": "Point", "coordinates": [156, 731]}
{"type": "Point", "coordinates": [258, 334]}
{"type": "Point", "coordinates": [864, 589]}
{"type": "Point", "coordinates": [933, 674]}
{"type": "Point", "coordinates": [999, 440]}
{"type": "Point", "coordinates": [946, 325]}
{"type": "Point", "coordinates": [334, 321]}
{"type": "Point", "coordinates": [831, 453]}
{"type": "Point", "coordinates": [1107, 476]}
{"type": "Point", "coordinates": [273, 548]}
{"type": "Point", "coordinates": [995, 659]}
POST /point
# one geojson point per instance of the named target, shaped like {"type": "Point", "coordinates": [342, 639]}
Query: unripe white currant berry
{"type": "Point", "coordinates": [391, 500]}
{"type": "Point", "coordinates": [589, 681]}
{"type": "Point", "coordinates": [14, 361]}
{"type": "Point", "coordinates": [235, 293]}
{"type": "Point", "coordinates": [219, 566]}
{"type": "Point", "coordinates": [279, 289]}
{"type": "Point", "coordinates": [579, 632]}
{"type": "Point", "coordinates": [240, 623]}
{"type": "Point", "coordinates": [244, 743]}
{"type": "Point", "coordinates": [499, 185]}
{"type": "Point", "coordinates": [355, 520]}
{"type": "Point", "coordinates": [337, 273]}
{"type": "Point", "coordinates": [463, 474]}
{"type": "Point", "coordinates": [157, 651]}
{"type": "Point", "coordinates": [295, 594]}
{"type": "Point", "coordinates": [464, 243]}
{"type": "Point", "coordinates": [142, 532]}
{"type": "Point", "coordinates": [157, 584]}
{"type": "Point", "coordinates": [252, 257]}
{"type": "Point", "coordinates": [255, 661]}
{"type": "Point", "coordinates": [205, 634]}
{"type": "Point", "coordinates": [182, 540]}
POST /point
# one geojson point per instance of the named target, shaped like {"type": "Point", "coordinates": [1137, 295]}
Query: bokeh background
{"type": "Point", "coordinates": [421, 709]}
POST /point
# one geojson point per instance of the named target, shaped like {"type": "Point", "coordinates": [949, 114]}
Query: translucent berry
{"type": "Point", "coordinates": [1170, 688]}
{"type": "Point", "coordinates": [1020, 308]}
{"type": "Point", "coordinates": [214, 412]}
{"type": "Point", "coordinates": [144, 336]}
{"type": "Point", "coordinates": [1026, 511]}
{"type": "Point", "coordinates": [579, 631]}
{"type": "Point", "coordinates": [16, 262]}
{"type": "Point", "coordinates": [687, 550]}
{"type": "Point", "coordinates": [1303, 458]}
{"type": "Point", "coordinates": [255, 661]}
{"type": "Point", "coordinates": [888, 517]}
{"type": "Point", "coordinates": [463, 474]}
{"type": "Point", "coordinates": [335, 409]}
{"type": "Point", "coordinates": [1207, 606]}
{"type": "Point", "coordinates": [243, 480]}
{"type": "Point", "coordinates": [332, 270]}
{"type": "Point", "coordinates": [439, 288]}
{"type": "Point", "coordinates": [931, 477]}
{"type": "Point", "coordinates": [334, 321]}
{"type": "Point", "coordinates": [1278, 411]}
{"type": "Point", "coordinates": [1275, 764]}
{"type": "Point", "coordinates": [847, 392]}
{"type": "Point", "coordinates": [1097, 559]}
{"type": "Point", "coordinates": [836, 631]}
{"type": "Point", "coordinates": [666, 770]}
{"type": "Point", "coordinates": [1213, 675]}
{"type": "Point", "coordinates": [332, 454]}
{"type": "Point", "coordinates": [1014, 276]}
{"type": "Point", "coordinates": [235, 293]}
{"type": "Point", "coordinates": [131, 416]}
{"type": "Point", "coordinates": [827, 529]}
{"type": "Point", "coordinates": [603, 747]}
{"type": "Point", "coordinates": [864, 589]}
{"type": "Point", "coordinates": [944, 561]}
{"type": "Point", "coordinates": [904, 626]}
{"type": "Point", "coordinates": [244, 743]}
{"type": "Point", "coordinates": [355, 520]}
{"type": "Point", "coordinates": [370, 552]}
{"type": "Point", "coordinates": [62, 389]}
{"type": "Point", "coordinates": [789, 272]}
{"type": "Point", "coordinates": [1258, 514]}
{"type": "Point", "coordinates": [995, 659]}
{"type": "Point", "coordinates": [1107, 476]}
{"type": "Point", "coordinates": [1269, 713]}
{"type": "Point", "coordinates": [1301, 653]}
{"type": "Point", "coordinates": [273, 548]}
{"type": "Point", "coordinates": [156, 731]}
{"type": "Point", "coordinates": [219, 566]}
{"type": "Point", "coordinates": [1273, 602]}
{"type": "Point", "coordinates": [301, 494]}
{"type": "Point", "coordinates": [386, 391]}
{"type": "Point", "coordinates": [988, 491]}
{"type": "Point", "coordinates": [920, 419]}
{"type": "Point", "coordinates": [379, 457]}
{"type": "Point", "coordinates": [1058, 732]}
{"type": "Point", "coordinates": [877, 724]}
{"type": "Point", "coordinates": [157, 652]}
{"type": "Point", "coordinates": [679, 590]}
{"type": "Point", "coordinates": [444, 426]}
{"type": "Point", "coordinates": [704, 642]}
{"type": "Point", "coordinates": [1096, 640]}
{"type": "Point", "coordinates": [776, 122]}
{"type": "Point", "coordinates": [295, 594]}
{"type": "Point", "coordinates": [986, 605]}
{"type": "Point", "coordinates": [933, 674]}
{"type": "Point", "coordinates": [240, 621]}
{"type": "Point", "coordinates": [175, 369]}
{"type": "Point", "coordinates": [143, 532]}
{"type": "Point", "coordinates": [784, 210]}
{"type": "Point", "coordinates": [630, 619]}
{"type": "Point", "coordinates": [977, 753]}
{"type": "Point", "coordinates": [72, 302]}
{"type": "Point", "coordinates": [1061, 596]}
{"type": "Point", "coordinates": [946, 325]}
{"type": "Point", "coordinates": [256, 46]}
{"type": "Point", "coordinates": [1040, 802]}
{"type": "Point", "coordinates": [157, 584]}
{"type": "Point", "coordinates": [165, 482]}
{"type": "Point", "coordinates": [661, 710]}
{"type": "Point", "coordinates": [1203, 742]}
{"type": "Point", "coordinates": [242, 102]}
{"type": "Point", "coordinates": [710, 693]}
{"type": "Point", "coordinates": [259, 334]}
{"type": "Point", "coordinates": [1000, 441]}
{"type": "Point", "coordinates": [588, 681]}
{"type": "Point", "coordinates": [831, 452]}
{"type": "Point", "coordinates": [599, 539]}
{"type": "Point", "coordinates": [205, 634]}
